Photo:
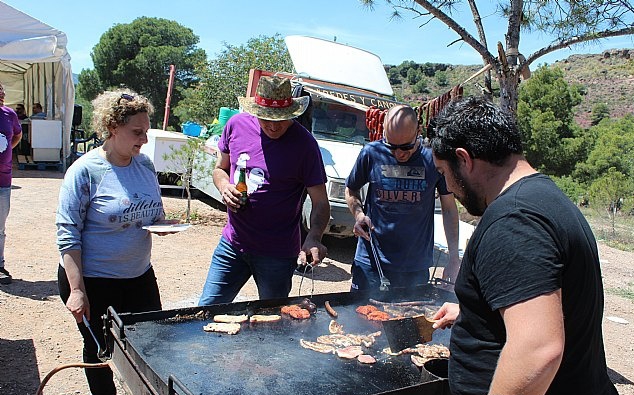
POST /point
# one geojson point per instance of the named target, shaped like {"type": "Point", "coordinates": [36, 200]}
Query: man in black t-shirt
{"type": "Point", "coordinates": [529, 288]}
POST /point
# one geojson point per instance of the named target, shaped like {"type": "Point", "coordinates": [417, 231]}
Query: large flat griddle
{"type": "Point", "coordinates": [265, 358]}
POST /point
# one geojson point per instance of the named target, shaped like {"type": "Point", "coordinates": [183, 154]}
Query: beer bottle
{"type": "Point", "coordinates": [242, 187]}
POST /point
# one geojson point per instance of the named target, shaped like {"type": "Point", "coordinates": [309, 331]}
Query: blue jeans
{"type": "Point", "coordinates": [366, 277]}
{"type": "Point", "coordinates": [5, 204]}
{"type": "Point", "coordinates": [230, 269]}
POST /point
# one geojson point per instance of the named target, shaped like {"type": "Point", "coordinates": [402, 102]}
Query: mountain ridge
{"type": "Point", "coordinates": [606, 77]}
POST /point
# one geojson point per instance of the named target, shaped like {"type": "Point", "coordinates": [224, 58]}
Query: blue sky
{"type": "Point", "coordinates": [235, 21]}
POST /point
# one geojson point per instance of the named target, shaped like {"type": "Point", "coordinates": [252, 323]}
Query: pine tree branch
{"type": "Point", "coordinates": [576, 40]}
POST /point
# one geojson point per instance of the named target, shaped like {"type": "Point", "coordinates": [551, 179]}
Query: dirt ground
{"type": "Point", "coordinates": [37, 333]}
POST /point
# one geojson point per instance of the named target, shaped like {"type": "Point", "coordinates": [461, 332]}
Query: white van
{"type": "Point", "coordinates": [342, 82]}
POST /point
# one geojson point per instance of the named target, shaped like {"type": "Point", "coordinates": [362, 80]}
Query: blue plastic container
{"type": "Point", "coordinates": [192, 129]}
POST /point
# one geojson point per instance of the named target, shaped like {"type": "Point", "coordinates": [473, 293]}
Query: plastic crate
{"type": "Point", "coordinates": [192, 129]}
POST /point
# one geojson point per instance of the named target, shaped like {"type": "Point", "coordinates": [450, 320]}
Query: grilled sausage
{"type": "Point", "coordinates": [330, 310]}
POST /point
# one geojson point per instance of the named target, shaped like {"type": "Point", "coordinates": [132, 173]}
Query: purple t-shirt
{"type": "Point", "coordinates": [277, 172]}
{"type": "Point", "coordinates": [9, 127]}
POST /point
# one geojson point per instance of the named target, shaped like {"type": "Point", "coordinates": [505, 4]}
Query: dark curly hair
{"type": "Point", "coordinates": [484, 130]}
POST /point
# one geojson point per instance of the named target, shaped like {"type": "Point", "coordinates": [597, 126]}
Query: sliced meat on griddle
{"type": "Point", "coordinates": [319, 347]}
{"type": "Point", "coordinates": [337, 340]}
{"type": "Point", "coordinates": [335, 327]}
{"type": "Point", "coordinates": [350, 352]}
{"type": "Point", "coordinates": [365, 358]}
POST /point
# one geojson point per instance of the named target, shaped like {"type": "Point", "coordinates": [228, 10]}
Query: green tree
{"type": "Point", "coordinates": [599, 112]}
{"type": "Point", "coordinates": [188, 162]}
{"type": "Point", "coordinates": [394, 76]}
{"type": "Point", "coordinates": [608, 193]}
{"type": "Point", "coordinates": [545, 117]}
{"type": "Point", "coordinates": [614, 148]}
{"type": "Point", "coordinates": [441, 78]}
{"type": "Point", "coordinates": [576, 191]}
{"type": "Point", "coordinates": [413, 76]}
{"type": "Point", "coordinates": [406, 66]}
{"type": "Point", "coordinates": [89, 85]}
{"type": "Point", "coordinates": [138, 55]}
{"type": "Point", "coordinates": [225, 78]}
{"type": "Point", "coordinates": [421, 86]}
{"type": "Point", "coordinates": [429, 69]}
{"type": "Point", "coordinates": [571, 22]}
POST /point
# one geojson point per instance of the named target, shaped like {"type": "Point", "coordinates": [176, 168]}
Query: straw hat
{"type": "Point", "coordinates": [273, 100]}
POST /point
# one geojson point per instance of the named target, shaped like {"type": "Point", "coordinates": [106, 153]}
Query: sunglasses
{"type": "Point", "coordinates": [402, 147]}
{"type": "Point", "coordinates": [125, 96]}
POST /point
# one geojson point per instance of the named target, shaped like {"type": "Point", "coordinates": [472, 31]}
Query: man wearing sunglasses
{"type": "Point", "coordinates": [398, 212]}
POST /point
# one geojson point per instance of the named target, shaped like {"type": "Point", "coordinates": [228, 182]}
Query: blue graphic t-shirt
{"type": "Point", "coordinates": [400, 203]}
{"type": "Point", "coordinates": [102, 209]}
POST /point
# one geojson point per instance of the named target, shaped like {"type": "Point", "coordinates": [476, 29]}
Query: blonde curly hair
{"type": "Point", "coordinates": [114, 108]}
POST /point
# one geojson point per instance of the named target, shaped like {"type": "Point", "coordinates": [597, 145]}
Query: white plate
{"type": "Point", "coordinates": [618, 320]}
{"type": "Point", "coordinates": [167, 228]}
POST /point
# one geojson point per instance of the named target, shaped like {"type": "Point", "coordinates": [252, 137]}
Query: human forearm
{"type": "Point", "coordinates": [450, 221]}
{"type": "Point", "coordinates": [319, 218]}
{"type": "Point", "coordinates": [15, 140]}
{"type": "Point", "coordinates": [73, 267]}
{"type": "Point", "coordinates": [362, 223]}
{"type": "Point", "coordinates": [353, 200]}
{"type": "Point", "coordinates": [320, 212]}
{"type": "Point", "coordinates": [220, 178]}
{"type": "Point", "coordinates": [77, 302]}
{"type": "Point", "coordinates": [312, 250]}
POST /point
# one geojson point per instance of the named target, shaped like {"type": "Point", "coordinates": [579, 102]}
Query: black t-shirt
{"type": "Point", "coordinates": [531, 240]}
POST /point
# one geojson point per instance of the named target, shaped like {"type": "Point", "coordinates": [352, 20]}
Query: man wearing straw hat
{"type": "Point", "coordinates": [282, 160]}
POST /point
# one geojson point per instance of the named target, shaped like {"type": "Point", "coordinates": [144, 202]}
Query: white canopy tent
{"type": "Point", "coordinates": [35, 67]}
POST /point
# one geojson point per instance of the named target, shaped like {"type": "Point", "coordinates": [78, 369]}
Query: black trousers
{"type": "Point", "coordinates": [132, 295]}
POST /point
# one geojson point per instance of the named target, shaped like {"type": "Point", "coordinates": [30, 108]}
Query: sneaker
{"type": "Point", "coordinates": [5, 277]}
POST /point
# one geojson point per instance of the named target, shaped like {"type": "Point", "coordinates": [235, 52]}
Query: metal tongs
{"type": "Point", "coordinates": [101, 353]}
{"type": "Point", "coordinates": [303, 270]}
{"type": "Point", "coordinates": [385, 282]}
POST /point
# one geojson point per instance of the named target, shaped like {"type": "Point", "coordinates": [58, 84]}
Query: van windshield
{"type": "Point", "coordinates": [338, 122]}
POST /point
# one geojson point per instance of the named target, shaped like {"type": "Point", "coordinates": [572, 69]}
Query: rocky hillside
{"type": "Point", "coordinates": [605, 78]}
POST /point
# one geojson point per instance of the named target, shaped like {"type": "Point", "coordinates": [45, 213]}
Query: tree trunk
{"type": "Point", "coordinates": [509, 91]}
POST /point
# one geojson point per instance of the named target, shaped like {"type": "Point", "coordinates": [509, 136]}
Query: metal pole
{"type": "Point", "coordinates": [169, 97]}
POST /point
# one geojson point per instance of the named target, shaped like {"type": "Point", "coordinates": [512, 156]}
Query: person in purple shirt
{"type": "Point", "coordinates": [282, 160]}
{"type": "Point", "coordinates": [10, 135]}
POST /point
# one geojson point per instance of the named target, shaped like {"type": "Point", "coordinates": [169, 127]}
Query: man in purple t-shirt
{"type": "Point", "coordinates": [281, 160]}
{"type": "Point", "coordinates": [10, 135]}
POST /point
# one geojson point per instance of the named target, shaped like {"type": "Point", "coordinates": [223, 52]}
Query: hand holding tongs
{"type": "Point", "coordinates": [303, 270]}
{"type": "Point", "coordinates": [385, 282]}
{"type": "Point", "coordinates": [101, 353]}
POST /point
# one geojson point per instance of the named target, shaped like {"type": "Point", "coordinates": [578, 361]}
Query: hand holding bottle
{"type": "Point", "coordinates": [235, 196]}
